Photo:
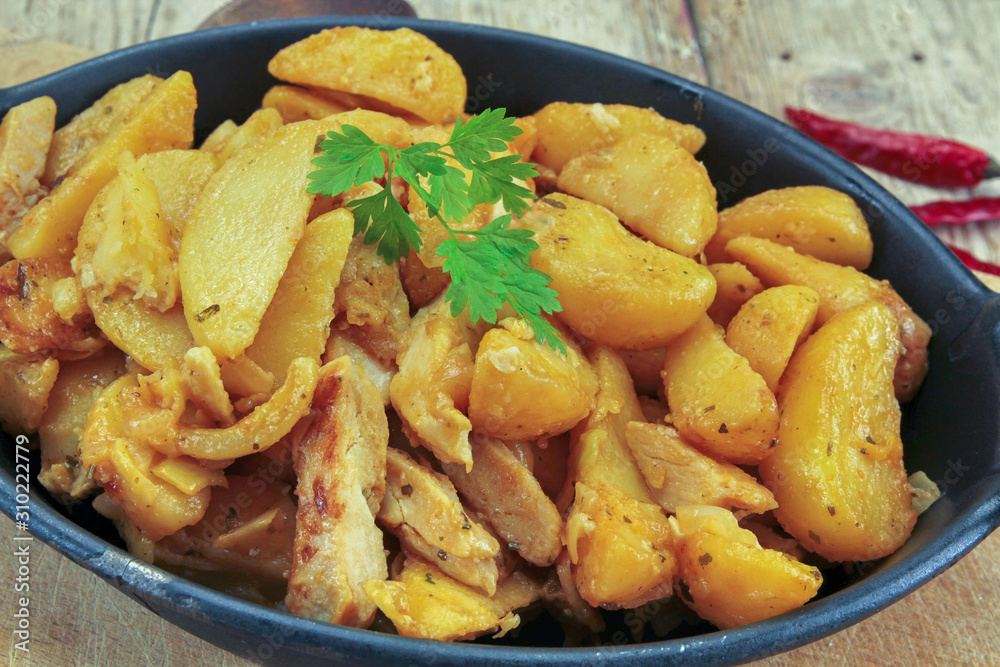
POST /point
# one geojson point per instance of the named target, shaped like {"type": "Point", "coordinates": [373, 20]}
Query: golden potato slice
{"type": "Point", "coordinates": [837, 472]}
{"type": "Point", "coordinates": [400, 67]}
{"type": "Point", "coordinates": [769, 327]}
{"type": "Point", "coordinates": [653, 185]}
{"type": "Point", "coordinates": [251, 214]}
{"type": "Point", "coordinates": [422, 509]}
{"type": "Point", "coordinates": [162, 119]}
{"type": "Point", "coordinates": [124, 241]}
{"type": "Point", "coordinates": [203, 385]}
{"type": "Point", "coordinates": [77, 138]}
{"type": "Point", "coordinates": [566, 130]}
{"type": "Point", "coordinates": [614, 287]}
{"type": "Point", "coordinates": [297, 322]}
{"type": "Point", "coordinates": [179, 176]}
{"type": "Point", "coordinates": [153, 339]}
{"type": "Point", "coordinates": [216, 141]}
{"type": "Point", "coordinates": [678, 474]}
{"type": "Point", "coordinates": [735, 284]}
{"type": "Point", "coordinates": [728, 578]}
{"type": "Point", "coordinates": [25, 387]}
{"type": "Point", "coordinates": [502, 489]}
{"type": "Point", "coordinates": [621, 549]}
{"type": "Point", "coordinates": [522, 389]}
{"type": "Point", "coordinates": [29, 322]}
{"type": "Point", "coordinates": [260, 429]}
{"type": "Point", "coordinates": [76, 388]}
{"type": "Point", "coordinates": [840, 288]}
{"type": "Point", "coordinates": [431, 389]}
{"type": "Point", "coordinates": [340, 463]}
{"type": "Point", "coordinates": [122, 466]}
{"type": "Point", "coordinates": [256, 126]}
{"type": "Point", "coordinates": [719, 403]}
{"type": "Point", "coordinates": [295, 103]}
{"type": "Point", "coordinates": [599, 454]}
{"type": "Point", "coordinates": [425, 602]}
{"type": "Point", "coordinates": [25, 136]}
{"type": "Point", "coordinates": [812, 219]}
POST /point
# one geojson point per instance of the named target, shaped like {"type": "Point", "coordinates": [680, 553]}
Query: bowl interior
{"type": "Point", "coordinates": [951, 430]}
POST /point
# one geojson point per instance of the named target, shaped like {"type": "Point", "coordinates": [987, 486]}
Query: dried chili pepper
{"type": "Point", "coordinates": [974, 262]}
{"type": "Point", "coordinates": [920, 158]}
{"type": "Point", "coordinates": [959, 212]}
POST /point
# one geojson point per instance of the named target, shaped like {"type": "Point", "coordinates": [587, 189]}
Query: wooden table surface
{"type": "Point", "coordinates": [924, 66]}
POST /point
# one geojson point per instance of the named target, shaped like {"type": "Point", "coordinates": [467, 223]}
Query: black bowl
{"type": "Point", "coordinates": [951, 430]}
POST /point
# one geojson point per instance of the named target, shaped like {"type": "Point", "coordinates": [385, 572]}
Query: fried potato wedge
{"type": "Point", "coordinates": [728, 578]}
{"type": "Point", "coordinates": [256, 126]}
{"type": "Point", "coordinates": [614, 287]}
{"type": "Point", "coordinates": [25, 137]}
{"type": "Point", "coordinates": [840, 288]}
{"type": "Point", "coordinates": [566, 130]}
{"type": "Point", "coordinates": [735, 284]}
{"type": "Point", "coordinates": [621, 548]}
{"type": "Point", "coordinates": [163, 119]}
{"type": "Point", "coordinates": [425, 602]}
{"type": "Point", "coordinates": [769, 327]}
{"type": "Point", "coordinates": [29, 322]}
{"type": "Point", "coordinates": [522, 389]}
{"type": "Point", "coordinates": [340, 463]}
{"type": "Point", "coordinates": [422, 509]}
{"type": "Point", "coordinates": [837, 472]}
{"type": "Point", "coordinates": [507, 495]}
{"type": "Point", "coordinates": [216, 141]}
{"type": "Point", "coordinates": [401, 67]}
{"type": "Point", "coordinates": [297, 322]}
{"type": "Point", "coordinates": [72, 142]}
{"type": "Point", "coordinates": [76, 388]}
{"type": "Point", "coordinates": [179, 176]}
{"type": "Point", "coordinates": [295, 103]}
{"type": "Point", "coordinates": [678, 474]}
{"type": "Point", "coordinates": [812, 219]}
{"type": "Point", "coordinates": [25, 387]}
{"type": "Point", "coordinates": [718, 402]}
{"type": "Point", "coordinates": [654, 186]}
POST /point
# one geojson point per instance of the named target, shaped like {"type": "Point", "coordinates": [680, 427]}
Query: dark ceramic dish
{"type": "Point", "coordinates": [951, 430]}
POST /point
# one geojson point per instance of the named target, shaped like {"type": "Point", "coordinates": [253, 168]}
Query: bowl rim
{"type": "Point", "coordinates": [782, 633]}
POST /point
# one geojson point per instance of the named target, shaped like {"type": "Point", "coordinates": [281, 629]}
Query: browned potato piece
{"type": "Point", "coordinates": [25, 387]}
{"type": "Point", "coordinates": [840, 288]}
{"type": "Point", "coordinates": [425, 602]}
{"type": "Point", "coordinates": [25, 136]}
{"type": "Point", "coordinates": [644, 366]}
{"type": "Point", "coordinates": [770, 326]}
{"type": "Point", "coordinates": [566, 130]}
{"type": "Point", "coordinates": [812, 219]}
{"type": "Point", "coordinates": [614, 287]}
{"type": "Point", "coordinates": [719, 403]}
{"type": "Point", "coordinates": [621, 548]}
{"type": "Point", "coordinates": [653, 185]}
{"type": "Point", "coordinates": [297, 323]}
{"type": "Point", "coordinates": [256, 126]}
{"type": "Point", "coordinates": [422, 283]}
{"type": "Point", "coordinates": [340, 463]}
{"type": "Point", "coordinates": [295, 103]}
{"type": "Point", "coordinates": [599, 454]}
{"type": "Point", "coordinates": [74, 140]}
{"type": "Point", "coordinates": [421, 507]}
{"type": "Point", "coordinates": [162, 119]}
{"type": "Point", "coordinates": [153, 339]}
{"type": "Point", "coordinates": [523, 389]}
{"type": "Point", "coordinates": [678, 474]}
{"type": "Point", "coordinates": [507, 495]}
{"type": "Point", "coordinates": [179, 176]}
{"type": "Point", "coordinates": [837, 472]}
{"type": "Point", "coordinates": [729, 579]}
{"type": "Point", "coordinates": [29, 323]}
{"type": "Point", "coordinates": [400, 67]}
{"type": "Point", "coordinates": [76, 388]}
{"type": "Point", "coordinates": [735, 285]}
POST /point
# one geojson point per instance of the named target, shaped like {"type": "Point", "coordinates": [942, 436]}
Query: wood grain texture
{"type": "Point", "coordinates": [922, 66]}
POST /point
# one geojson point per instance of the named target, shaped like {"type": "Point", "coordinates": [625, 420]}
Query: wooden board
{"type": "Point", "coordinates": [920, 66]}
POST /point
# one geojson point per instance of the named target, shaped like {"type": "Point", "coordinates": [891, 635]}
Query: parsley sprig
{"type": "Point", "coordinates": [488, 267]}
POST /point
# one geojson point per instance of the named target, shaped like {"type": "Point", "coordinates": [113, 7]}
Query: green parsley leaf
{"type": "Point", "coordinates": [348, 159]}
{"type": "Point", "coordinates": [386, 223]}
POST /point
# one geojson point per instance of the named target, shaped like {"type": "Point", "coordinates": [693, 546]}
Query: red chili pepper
{"type": "Point", "coordinates": [974, 262]}
{"type": "Point", "coordinates": [959, 212]}
{"type": "Point", "coordinates": [920, 158]}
